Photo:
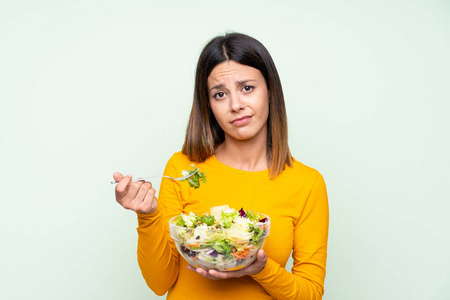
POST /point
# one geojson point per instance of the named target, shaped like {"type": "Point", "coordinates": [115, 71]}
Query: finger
{"type": "Point", "coordinates": [121, 187]}
{"type": "Point", "coordinates": [201, 272]}
{"type": "Point", "coordinates": [205, 273]}
{"type": "Point", "coordinates": [148, 204]}
{"type": "Point", "coordinates": [191, 268]}
{"type": "Point", "coordinates": [252, 269]}
{"type": "Point", "coordinates": [262, 257]}
{"type": "Point", "coordinates": [224, 275]}
{"type": "Point", "coordinates": [142, 192]}
{"type": "Point", "coordinates": [133, 190]}
{"type": "Point", "coordinates": [117, 176]}
{"type": "Point", "coordinates": [258, 265]}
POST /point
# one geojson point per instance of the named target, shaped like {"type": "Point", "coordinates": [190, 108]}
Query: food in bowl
{"type": "Point", "coordinates": [223, 239]}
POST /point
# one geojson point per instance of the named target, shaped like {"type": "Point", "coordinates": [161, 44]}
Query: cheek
{"type": "Point", "coordinates": [216, 112]}
{"type": "Point", "coordinates": [264, 108]}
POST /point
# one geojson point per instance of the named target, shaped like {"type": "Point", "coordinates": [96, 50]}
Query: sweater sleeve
{"type": "Point", "coordinates": [157, 255]}
{"type": "Point", "coordinates": [310, 253]}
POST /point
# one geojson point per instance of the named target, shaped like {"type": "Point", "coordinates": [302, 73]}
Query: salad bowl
{"type": "Point", "coordinates": [225, 241]}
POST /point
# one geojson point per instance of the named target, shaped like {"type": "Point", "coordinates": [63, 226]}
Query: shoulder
{"type": "Point", "coordinates": [177, 162]}
{"type": "Point", "coordinates": [300, 172]}
{"type": "Point", "coordinates": [306, 180]}
{"type": "Point", "coordinates": [179, 157]}
{"type": "Point", "coordinates": [300, 167]}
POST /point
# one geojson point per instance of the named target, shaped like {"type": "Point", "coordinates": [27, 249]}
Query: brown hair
{"type": "Point", "coordinates": [203, 133]}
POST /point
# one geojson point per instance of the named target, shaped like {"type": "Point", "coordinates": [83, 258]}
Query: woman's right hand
{"type": "Point", "coordinates": [138, 196]}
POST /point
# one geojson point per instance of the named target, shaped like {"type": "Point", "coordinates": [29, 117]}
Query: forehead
{"type": "Point", "coordinates": [231, 70]}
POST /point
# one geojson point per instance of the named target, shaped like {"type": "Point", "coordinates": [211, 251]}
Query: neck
{"type": "Point", "coordinates": [248, 155]}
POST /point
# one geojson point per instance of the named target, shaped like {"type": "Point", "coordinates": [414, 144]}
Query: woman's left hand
{"type": "Point", "coordinates": [252, 269]}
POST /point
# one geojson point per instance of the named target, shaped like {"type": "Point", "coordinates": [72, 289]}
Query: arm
{"type": "Point", "coordinates": [157, 255]}
{"type": "Point", "coordinates": [310, 253]}
{"type": "Point", "coordinates": [157, 260]}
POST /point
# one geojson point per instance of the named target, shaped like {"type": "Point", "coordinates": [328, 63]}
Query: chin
{"type": "Point", "coordinates": [244, 134]}
{"type": "Point", "coordinates": [242, 137]}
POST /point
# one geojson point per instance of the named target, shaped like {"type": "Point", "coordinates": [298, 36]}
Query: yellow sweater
{"type": "Point", "coordinates": [296, 201]}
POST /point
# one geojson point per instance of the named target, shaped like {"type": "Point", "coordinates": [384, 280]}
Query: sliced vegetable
{"type": "Point", "coordinates": [242, 213]}
{"type": "Point", "coordinates": [194, 180]}
{"type": "Point", "coordinates": [180, 222]}
{"type": "Point", "coordinates": [208, 220]}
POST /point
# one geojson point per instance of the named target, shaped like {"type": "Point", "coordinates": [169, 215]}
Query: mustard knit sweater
{"type": "Point", "coordinates": [296, 201]}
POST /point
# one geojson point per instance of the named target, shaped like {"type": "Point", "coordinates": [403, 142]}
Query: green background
{"type": "Point", "coordinates": [92, 87]}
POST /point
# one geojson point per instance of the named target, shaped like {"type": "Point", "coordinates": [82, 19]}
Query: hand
{"type": "Point", "coordinates": [138, 196]}
{"type": "Point", "coordinates": [252, 269]}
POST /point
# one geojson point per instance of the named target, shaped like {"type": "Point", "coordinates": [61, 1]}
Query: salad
{"type": "Point", "coordinates": [223, 239]}
{"type": "Point", "coordinates": [195, 180]}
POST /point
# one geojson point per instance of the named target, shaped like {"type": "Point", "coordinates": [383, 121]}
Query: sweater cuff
{"type": "Point", "coordinates": [267, 271]}
{"type": "Point", "coordinates": [150, 216]}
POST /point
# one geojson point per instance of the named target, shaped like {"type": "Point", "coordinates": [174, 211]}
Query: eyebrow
{"type": "Point", "coordinates": [241, 82]}
{"type": "Point", "coordinates": [217, 87]}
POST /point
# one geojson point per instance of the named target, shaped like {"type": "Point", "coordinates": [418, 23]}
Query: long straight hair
{"type": "Point", "coordinates": [203, 133]}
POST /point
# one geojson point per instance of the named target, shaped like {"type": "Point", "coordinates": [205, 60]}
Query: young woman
{"type": "Point", "coordinates": [237, 136]}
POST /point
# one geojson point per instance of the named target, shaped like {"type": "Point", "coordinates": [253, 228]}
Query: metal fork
{"type": "Point", "coordinates": [155, 176]}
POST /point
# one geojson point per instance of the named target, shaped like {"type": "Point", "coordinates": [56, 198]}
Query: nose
{"type": "Point", "coordinates": [236, 103]}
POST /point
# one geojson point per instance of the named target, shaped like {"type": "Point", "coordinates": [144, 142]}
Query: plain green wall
{"type": "Point", "coordinates": [91, 87]}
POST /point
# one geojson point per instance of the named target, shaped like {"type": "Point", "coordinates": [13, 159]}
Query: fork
{"type": "Point", "coordinates": [155, 176]}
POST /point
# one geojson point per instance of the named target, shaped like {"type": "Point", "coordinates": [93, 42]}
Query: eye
{"type": "Point", "coordinates": [219, 95]}
{"type": "Point", "coordinates": [247, 88]}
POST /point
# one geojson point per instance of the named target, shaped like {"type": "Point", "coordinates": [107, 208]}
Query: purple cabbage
{"type": "Point", "coordinates": [242, 213]}
{"type": "Point", "coordinates": [188, 251]}
{"type": "Point", "coordinates": [263, 220]}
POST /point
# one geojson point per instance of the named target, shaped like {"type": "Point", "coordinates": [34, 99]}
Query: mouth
{"type": "Point", "coordinates": [241, 120]}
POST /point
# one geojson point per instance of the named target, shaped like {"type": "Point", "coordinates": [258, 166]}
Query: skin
{"type": "Point", "coordinates": [138, 196]}
{"type": "Point", "coordinates": [237, 91]}
{"type": "Point", "coordinates": [239, 100]}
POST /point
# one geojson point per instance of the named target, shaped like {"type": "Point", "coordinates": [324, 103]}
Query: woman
{"type": "Point", "coordinates": [237, 136]}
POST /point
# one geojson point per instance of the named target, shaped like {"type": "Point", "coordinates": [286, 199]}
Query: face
{"type": "Point", "coordinates": [239, 100]}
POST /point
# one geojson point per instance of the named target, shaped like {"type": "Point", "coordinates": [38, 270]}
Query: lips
{"type": "Point", "coordinates": [241, 120]}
